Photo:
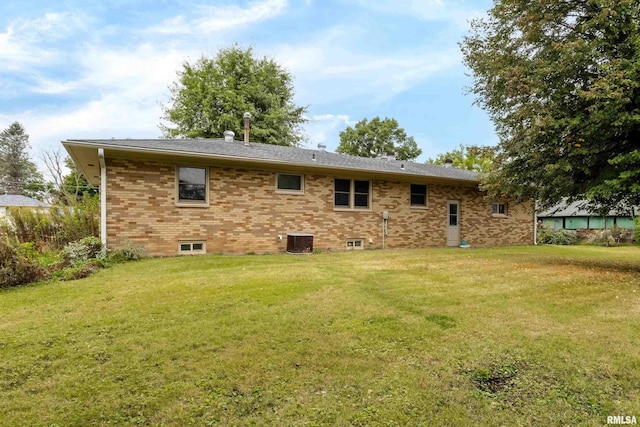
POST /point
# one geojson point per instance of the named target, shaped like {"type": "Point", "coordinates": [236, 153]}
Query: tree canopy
{"type": "Point", "coordinates": [561, 82]}
{"type": "Point", "coordinates": [18, 174]}
{"type": "Point", "coordinates": [212, 94]}
{"type": "Point", "coordinates": [376, 137]}
{"type": "Point", "coordinates": [469, 157]}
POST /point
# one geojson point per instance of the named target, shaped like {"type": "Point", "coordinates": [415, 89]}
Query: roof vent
{"type": "Point", "coordinates": [247, 119]}
{"type": "Point", "coordinates": [391, 155]}
{"type": "Point", "coordinates": [322, 147]}
{"type": "Point", "coordinates": [448, 163]}
{"type": "Point", "coordinates": [228, 135]}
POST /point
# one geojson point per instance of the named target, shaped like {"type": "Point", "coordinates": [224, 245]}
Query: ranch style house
{"type": "Point", "coordinates": [196, 196]}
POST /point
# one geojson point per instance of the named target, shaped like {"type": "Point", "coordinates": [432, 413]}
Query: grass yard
{"type": "Point", "coordinates": [504, 336]}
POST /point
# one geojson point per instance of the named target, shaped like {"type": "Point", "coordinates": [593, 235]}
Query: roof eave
{"type": "Point", "coordinates": [247, 160]}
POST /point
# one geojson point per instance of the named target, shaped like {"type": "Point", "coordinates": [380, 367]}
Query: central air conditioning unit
{"type": "Point", "coordinates": [299, 243]}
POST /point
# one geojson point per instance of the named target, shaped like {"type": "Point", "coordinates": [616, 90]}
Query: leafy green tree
{"type": "Point", "coordinates": [375, 138]}
{"type": "Point", "coordinates": [469, 157]}
{"type": "Point", "coordinates": [18, 174]}
{"type": "Point", "coordinates": [561, 82]}
{"type": "Point", "coordinates": [212, 94]}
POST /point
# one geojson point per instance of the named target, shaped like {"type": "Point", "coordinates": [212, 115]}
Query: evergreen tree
{"type": "Point", "coordinates": [18, 174]}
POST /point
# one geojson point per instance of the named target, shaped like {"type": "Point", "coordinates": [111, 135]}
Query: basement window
{"type": "Point", "coordinates": [499, 209]}
{"type": "Point", "coordinates": [354, 244]}
{"type": "Point", "coordinates": [289, 183]}
{"type": "Point", "coordinates": [192, 248]}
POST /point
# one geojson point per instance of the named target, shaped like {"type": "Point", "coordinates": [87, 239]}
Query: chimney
{"type": "Point", "coordinates": [391, 155]}
{"type": "Point", "coordinates": [247, 118]}
{"type": "Point", "coordinates": [448, 163]}
{"type": "Point", "coordinates": [228, 135]}
{"type": "Point", "coordinates": [321, 146]}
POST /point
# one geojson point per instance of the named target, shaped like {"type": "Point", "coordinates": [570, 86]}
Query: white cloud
{"type": "Point", "coordinates": [325, 129]}
{"type": "Point", "coordinates": [27, 43]}
{"type": "Point", "coordinates": [329, 70]}
{"type": "Point", "coordinates": [212, 19]}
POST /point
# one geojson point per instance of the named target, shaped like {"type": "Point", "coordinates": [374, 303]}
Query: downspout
{"type": "Point", "coordinates": [103, 198]}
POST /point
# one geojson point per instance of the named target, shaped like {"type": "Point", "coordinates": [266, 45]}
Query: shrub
{"type": "Point", "coordinates": [83, 250]}
{"type": "Point", "coordinates": [81, 218]}
{"type": "Point", "coordinates": [609, 237]}
{"type": "Point", "coordinates": [15, 268]}
{"type": "Point", "coordinates": [557, 237]}
{"type": "Point", "coordinates": [28, 225]}
{"type": "Point", "coordinates": [79, 270]}
{"type": "Point", "coordinates": [128, 252]}
{"type": "Point", "coordinates": [636, 230]}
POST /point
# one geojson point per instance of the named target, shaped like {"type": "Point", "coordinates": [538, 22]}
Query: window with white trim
{"type": "Point", "coordinates": [289, 183]}
{"type": "Point", "coordinates": [418, 196]}
{"type": "Point", "coordinates": [351, 194]}
{"type": "Point", "coordinates": [499, 209]}
{"type": "Point", "coordinates": [355, 244]}
{"type": "Point", "coordinates": [195, 247]}
{"type": "Point", "coordinates": [193, 183]}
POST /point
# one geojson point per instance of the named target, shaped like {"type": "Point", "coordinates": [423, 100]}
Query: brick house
{"type": "Point", "coordinates": [220, 196]}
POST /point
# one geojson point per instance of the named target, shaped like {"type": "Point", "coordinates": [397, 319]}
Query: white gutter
{"type": "Point", "coordinates": [103, 197]}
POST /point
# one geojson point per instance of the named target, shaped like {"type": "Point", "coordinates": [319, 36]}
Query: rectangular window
{"type": "Point", "coordinates": [351, 193]}
{"type": "Point", "coordinates": [192, 185]}
{"type": "Point", "coordinates": [353, 244]}
{"type": "Point", "coordinates": [418, 195]}
{"type": "Point", "coordinates": [342, 191]}
{"type": "Point", "coordinates": [197, 247]}
{"type": "Point", "coordinates": [499, 209]}
{"type": "Point", "coordinates": [289, 183]}
{"type": "Point", "coordinates": [361, 196]}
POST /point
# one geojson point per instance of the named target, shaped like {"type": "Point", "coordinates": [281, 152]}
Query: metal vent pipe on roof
{"type": "Point", "coordinates": [448, 163]}
{"type": "Point", "coordinates": [247, 119]}
{"type": "Point", "coordinates": [321, 146]}
{"type": "Point", "coordinates": [391, 155]}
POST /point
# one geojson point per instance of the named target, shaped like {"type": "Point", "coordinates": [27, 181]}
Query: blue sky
{"type": "Point", "coordinates": [101, 68]}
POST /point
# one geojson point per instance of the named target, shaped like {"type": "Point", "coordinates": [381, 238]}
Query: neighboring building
{"type": "Point", "coordinates": [17, 200]}
{"type": "Point", "coordinates": [216, 196]}
{"type": "Point", "coordinates": [574, 216]}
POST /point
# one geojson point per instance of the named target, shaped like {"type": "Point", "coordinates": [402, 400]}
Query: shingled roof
{"type": "Point", "coordinates": [19, 200]}
{"type": "Point", "coordinates": [259, 153]}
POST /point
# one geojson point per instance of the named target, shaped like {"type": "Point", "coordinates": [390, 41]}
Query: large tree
{"type": "Point", "coordinates": [376, 137]}
{"type": "Point", "coordinates": [212, 94]}
{"type": "Point", "coordinates": [561, 81]}
{"type": "Point", "coordinates": [478, 158]}
{"type": "Point", "coordinates": [18, 174]}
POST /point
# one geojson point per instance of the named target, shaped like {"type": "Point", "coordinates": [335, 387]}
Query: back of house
{"type": "Point", "coordinates": [219, 196]}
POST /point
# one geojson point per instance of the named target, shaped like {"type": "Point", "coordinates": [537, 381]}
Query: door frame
{"type": "Point", "coordinates": [450, 228]}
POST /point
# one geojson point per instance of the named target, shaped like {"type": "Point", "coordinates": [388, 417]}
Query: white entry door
{"type": "Point", "coordinates": [453, 223]}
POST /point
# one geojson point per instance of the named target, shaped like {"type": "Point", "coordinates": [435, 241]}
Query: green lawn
{"type": "Point", "coordinates": [505, 336]}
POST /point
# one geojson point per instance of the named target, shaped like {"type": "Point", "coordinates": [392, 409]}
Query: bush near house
{"type": "Point", "coordinates": [15, 267]}
{"type": "Point", "coordinates": [23, 263]}
{"type": "Point", "coordinates": [60, 243]}
{"type": "Point", "coordinates": [557, 237]}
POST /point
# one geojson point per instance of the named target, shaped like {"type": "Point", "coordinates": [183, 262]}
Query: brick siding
{"type": "Point", "coordinates": [245, 214]}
